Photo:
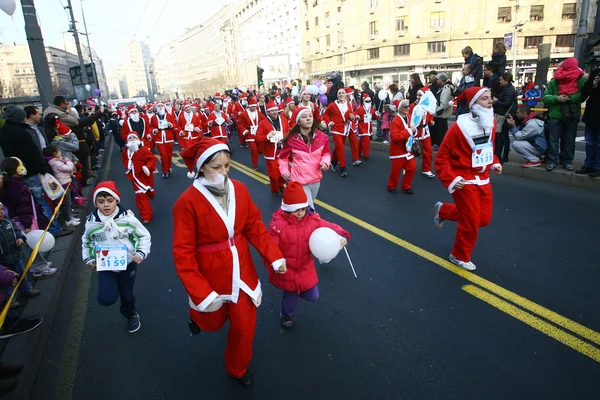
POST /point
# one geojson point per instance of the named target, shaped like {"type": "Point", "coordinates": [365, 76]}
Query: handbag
{"type": "Point", "coordinates": [417, 148]}
{"type": "Point", "coordinates": [52, 187]}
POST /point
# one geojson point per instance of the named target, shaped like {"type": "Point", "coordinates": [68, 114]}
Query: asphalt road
{"type": "Point", "coordinates": [411, 326]}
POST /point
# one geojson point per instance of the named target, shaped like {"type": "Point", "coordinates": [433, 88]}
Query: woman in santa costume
{"type": "Point", "coordinates": [238, 110]}
{"type": "Point", "coordinates": [152, 122]}
{"type": "Point", "coordinates": [140, 164]}
{"type": "Point", "coordinates": [164, 136]}
{"type": "Point", "coordinates": [336, 116]}
{"type": "Point", "coordinates": [217, 123]}
{"type": "Point", "coordinates": [423, 135]}
{"type": "Point", "coordinates": [402, 159]}
{"type": "Point", "coordinates": [365, 116]}
{"type": "Point", "coordinates": [462, 163]}
{"type": "Point", "coordinates": [189, 126]}
{"type": "Point", "coordinates": [215, 220]}
{"type": "Point", "coordinates": [352, 128]}
{"type": "Point", "coordinates": [271, 132]}
{"type": "Point", "coordinates": [306, 102]}
{"type": "Point", "coordinates": [250, 120]}
{"type": "Point", "coordinates": [135, 124]}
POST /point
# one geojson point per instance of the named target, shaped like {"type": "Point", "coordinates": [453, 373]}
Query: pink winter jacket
{"type": "Point", "coordinates": [306, 158]}
{"type": "Point", "coordinates": [62, 169]}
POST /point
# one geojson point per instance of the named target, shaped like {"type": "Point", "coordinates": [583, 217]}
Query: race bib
{"type": "Point", "coordinates": [189, 127]}
{"type": "Point", "coordinates": [253, 129]}
{"type": "Point", "coordinates": [163, 124]}
{"type": "Point", "coordinates": [111, 257]}
{"type": "Point", "coordinates": [277, 137]}
{"type": "Point", "coordinates": [220, 120]}
{"type": "Point", "coordinates": [368, 117]}
{"type": "Point", "coordinates": [483, 155]}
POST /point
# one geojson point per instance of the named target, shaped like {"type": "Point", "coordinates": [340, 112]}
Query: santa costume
{"type": "Point", "coordinates": [140, 164]}
{"type": "Point", "coordinates": [352, 128]}
{"type": "Point", "coordinates": [164, 136]}
{"type": "Point", "coordinates": [217, 123]}
{"type": "Point", "coordinates": [465, 157]}
{"type": "Point", "coordinates": [214, 223]}
{"type": "Point", "coordinates": [401, 157]}
{"type": "Point", "coordinates": [337, 115]}
{"type": "Point", "coordinates": [189, 127]}
{"type": "Point", "coordinates": [250, 120]}
{"type": "Point", "coordinates": [365, 116]}
{"type": "Point", "coordinates": [423, 135]}
{"type": "Point", "coordinates": [137, 124]}
{"type": "Point", "coordinates": [238, 110]}
{"type": "Point", "coordinates": [271, 132]}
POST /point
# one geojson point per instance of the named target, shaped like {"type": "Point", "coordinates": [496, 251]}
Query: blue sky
{"type": "Point", "coordinates": [112, 22]}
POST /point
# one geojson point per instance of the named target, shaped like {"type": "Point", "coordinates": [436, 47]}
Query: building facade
{"type": "Point", "coordinates": [382, 41]}
{"type": "Point", "coordinates": [138, 70]}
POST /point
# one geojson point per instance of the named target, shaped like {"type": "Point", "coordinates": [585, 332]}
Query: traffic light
{"type": "Point", "coordinates": [259, 76]}
{"type": "Point", "coordinates": [591, 58]}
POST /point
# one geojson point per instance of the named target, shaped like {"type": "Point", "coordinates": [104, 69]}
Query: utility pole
{"type": "Point", "coordinates": [582, 31]}
{"type": "Point", "coordinates": [87, 36]}
{"type": "Point", "coordinates": [38, 52]}
{"type": "Point", "coordinates": [514, 40]}
{"type": "Point", "coordinates": [84, 77]}
{"type": "Point", "coordinates": [343, 49]}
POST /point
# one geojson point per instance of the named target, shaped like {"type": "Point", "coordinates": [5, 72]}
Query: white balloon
{"type": "Point", "coordinates": [88, 87]}
{"type": "Point", "coordinates": [74, 102]}
{"type": "Point", "coordinates": [33, 238]}
{"type": "Point", "coordinates": [324, 244]}
{"type": "Point", "coordinates": [295, 91]}
{"type": "Point", "coordinates": [242, 88]}
{"type": "Point", "coordinates": [8, 6]}
{"type": "Point", "coordinates": [382, 95]}
{"type": "Point", "coordinates": [323, 89]}
{"type": "Point", "coordinates": [314, 90]}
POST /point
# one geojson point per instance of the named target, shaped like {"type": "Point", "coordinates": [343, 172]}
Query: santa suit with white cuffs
{"type": "Point", "coordinates": [217, 123]}
{"type": "Point", "coordinates": [401, 158]}
{"type": "Point", "coordinates": [140, 127]}
{"type": "Point", "coordinates": [272, 149]}
{"type": "Point", "coordinates": [336, 116]}
{"type": "Point", "coordinates": [139, 165]}
{"type": "Point", "coordinates": [190, 128]}
{"type": "Point", "coordinates": [164, 136]}
{"type": "Point", "coordinates": [152, 123]}
{"type": "Point", "coordinates": [467, 154]}
{"type": "Point", "coordinates": [365, 116]}
{"type": "Point", "coordinates": [250, 121]}
{"type": "Point", "coordinates": [212, 255]}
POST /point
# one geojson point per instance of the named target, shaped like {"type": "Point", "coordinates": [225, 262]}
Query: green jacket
{"type": "Point", "coordinates": [550, 98]}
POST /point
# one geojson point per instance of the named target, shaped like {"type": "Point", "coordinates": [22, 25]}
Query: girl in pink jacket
{"type": "Point", "coordinates": [63, 170]}
{"type": "Point", "coordinates": [307, 148]}
{"type": "Point", "coordinates": [290, 228]}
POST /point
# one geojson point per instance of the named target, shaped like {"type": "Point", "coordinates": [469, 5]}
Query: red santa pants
{"type": "Point", "coordinates": [242, 323]}
{"type": "Point", "coordinates": [339, 152]}
{"type": "Point", "coordinates": [354, 146]}
{"type": "Point", "coordinates": [364, 146]}
{"type": "Point", "coordinates": [260, 147]}
{"type": "Point", "coordinates": [275, 177]}
{"type": "Point", "coordinates": [142, 201]}
{"type": "Point", "coordinates": [472, 209]}
{"type": "Point", "coordinates": [427, 155]}
{"type": "Point", "coordinates": [240, 135]}
{"type": "Point", "coordinates": [253, 154]}
{"type": "Point", "coordinates": [149, 144]}
{"type": "Point", "coordinates": [410, 166]}
{"type": "Point", "coordinates": [166, 154]}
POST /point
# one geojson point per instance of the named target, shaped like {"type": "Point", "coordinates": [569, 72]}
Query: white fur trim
{"type": "Point", "coordinates": [205, 303]}
{"type": "Point", "coordinates": [132, 134]}
{"type": "Point", "coordinates": [300, 113]}
{"type": "Point", "coordinates": [107, 190]}
{"type": "Point", "coordinates": [477, 95]}
{"type": "Point", "coordinates": [293, 207]}
{"type": "Point", "coordinates": [191, 175]}
{"type": "Point", "coordinates": [453, 184]}
{"type": "Point", "coordinates": [209, 152]}
{"type": "Point", "coordinates": [278, 263]}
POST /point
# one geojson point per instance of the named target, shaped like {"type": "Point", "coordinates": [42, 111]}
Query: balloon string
{"type": "Point", "coordinates": [350, 261]}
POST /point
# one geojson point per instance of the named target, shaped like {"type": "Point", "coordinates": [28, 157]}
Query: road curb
{"type": "Point", "coordinates": [29, 349]}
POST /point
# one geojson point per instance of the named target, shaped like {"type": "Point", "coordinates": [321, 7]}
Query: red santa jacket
{"type": "Point", "coordinates": [336, 119]}
{"type": "Point", "coordinates": [248, 123]}
{"type": "Point", "coordinates": [315, 111]}
{"type": "Point", "coordinates": [423, 128]}
{"type": "Point", "coordinates": [364, 118]}
{"type": "Point", "coordinates": [211, 248]}
{"type": "Point", "coordinates": [454, 159]}
{"type": "Point", "coordinates": [292, 238]}
{"type": "Point", "coordinates": [164, 135]}
{"type": "Point", "coordinates": [399, 134]}
{"type": "Point", "coordinates": [126, 129]}
{"type": "Point", "coordinates": [218, 130]}
{"type": "Point", "coordinates": [139, 167]}
{"type": "Point", "coordinates": [272, 150]}
{"type": "Point", "coordinates": [203, 122]}
{"type": "Point", "coordinates": [192, 123]}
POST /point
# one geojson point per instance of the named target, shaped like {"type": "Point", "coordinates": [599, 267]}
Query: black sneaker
{"type": "Point", "coordinates": [595, 173]}
{"type": "Point", "coordinates": [551, 167]}
{"type": "Point", "coordinates": [194, 328]}
{"type": "Point", "coordinates": [583, 170]}
{"type": "Point", "coordinates": [408, 191]}
{"type": "Point", "coordinates": [568, 167]}
{"type": "Point", "coordinates": [246, 380]}
{"type": "Point", "coordinates": [7, 386]}
{"type": "Point", "coordinates": [133, 323]}
{"type": "Point", "coordinates": [287, 323]}
{"type": "Point", "coordinates": [334, 165]}
{"type": "Point", "coordinates": [165, 176]}
{"type": "Point", "coordinates": [23, 325]}
{"type": "Point", "coordinates": [10, 371]}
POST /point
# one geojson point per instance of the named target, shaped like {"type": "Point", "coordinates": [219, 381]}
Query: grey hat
{"type": "Point", "coordinates": [432, 73]}
{"type": "Point", "coordinates": [442, 76]}
{"type": "Point", "coordinates": [14, 113]}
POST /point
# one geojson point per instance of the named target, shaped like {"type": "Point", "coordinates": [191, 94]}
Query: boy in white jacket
{"type": "Point", "coordinates": [115, 242]}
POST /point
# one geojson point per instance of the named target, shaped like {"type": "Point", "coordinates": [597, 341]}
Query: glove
{"type": "Point", "coordinates": [146, 170]}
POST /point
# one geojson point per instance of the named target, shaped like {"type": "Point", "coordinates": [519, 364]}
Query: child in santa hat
{"type": "Point", "coordinates": [291, 227]}
{"type": "Point", "coordinates": [140, 165]}
{"type": "Point", "coordinates": [111, 224]}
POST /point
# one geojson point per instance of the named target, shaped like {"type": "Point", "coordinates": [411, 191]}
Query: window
{"type": "Point", "coordinates": [532, 42]}
{"type": "Point", "coordinates": [569, 11]}
{"type": "Point", "coordinates": [316, 22]}
{"type": "Point", "coordinates": [340, 38]}
{"type": "Point", "coordinates": [399, 24]}
{"type": "Point", "coordinates": [565, 41]}
{"type": "Point", "coordinates": [339, 14]}
{"type": "Point", "coordinates": [504, 15]}
{"type": "Point", "coordinates": [327, 19]}
{"type": "Point", "coordinates": [328, 40]}
{"type": "Point", "coordinates": [436, 47]}
{"type": "Point", "coordinates": [402, 50]}
{"type": "Point", "coordinates": [372, 5]}
{"type": "Point", "coordinates": [307, 26]}
{"type": "Point", "coordinates": [400, 3]}
{"type": "Point", "coordinates": [536, 13]}
{"type": "Point", "coordinates": [372, 30]}
{"type": "Point", "coordinates": [437, 19]}
{"type": "Point", "coordinates": [373, 53]}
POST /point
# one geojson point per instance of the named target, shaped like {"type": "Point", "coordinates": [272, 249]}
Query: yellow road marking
{"type": "Point", "coordinates": [552, 316]}
{"type": "Point", "coordinates": [534, 322]}
{"type": "Point", "coordinates": [259, 176]}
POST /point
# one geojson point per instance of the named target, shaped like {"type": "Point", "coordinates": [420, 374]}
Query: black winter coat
{"type": "Point", "coordinates": [16, 141]}
{"type": "Point", "coordinates": [507, 100]}
{"type": "Point", "coordinates": [10, 253]}
{"type": "Point", "coordinates": [592, 107]}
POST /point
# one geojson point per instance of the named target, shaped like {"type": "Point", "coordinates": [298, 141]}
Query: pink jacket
{"type": "Point", "coordinates": [62, 169]}
{"type": "Point", "coordinates": [385, 120]}
{"type": "Point", "coordinates": [306, 158]}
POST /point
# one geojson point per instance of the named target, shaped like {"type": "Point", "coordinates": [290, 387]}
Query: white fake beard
{"type": "Point", "coordinates": [244, 102]}
{"type": "Point", "coordinates": [169, 109]}
{"type": "Point", "coordinates": [133, 145]}
{"type": "Point", "coordinates": [485, 117]}
{"type": "Point", "coordinates": [135, 118]}
{"type": "Point", "coordinates": [150, 115]}
{"type": "Point", "coordinates": [188, 116]}
{"type": "Point", "coordinates": [367, 106]}
{"type": "Point", "coordinates": [217, 181]}
{"type": "Point", "coordinates": [161, 112]}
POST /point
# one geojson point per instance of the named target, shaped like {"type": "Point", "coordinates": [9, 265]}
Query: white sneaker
{"type": "Point", "coordinates": [357, 162]}
{"type": "Point", "coordinates": [75, 219]}
{"type": "Point", "coordinates": [429, 174]}
{"type": "Point", "coordinates": [72, 222]}
{"type": "Point", "coordinates": [386, 142]}
{"type": "Point", "coordinates": [437, 221]}
{"type": "Point", "coordinates": [469, 266]}
{"type": "Point", "coordinates": [44, 273]}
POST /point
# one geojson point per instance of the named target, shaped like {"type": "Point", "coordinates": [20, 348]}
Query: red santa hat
{"type": "Point", "coordinates": [61, 128]}
{"type": "Point", "coordinates": [297, 113]}
{"type": "Point", "coordinates": [134, 135]}
{"type": "Point", "coordinates": [472, 94]}
{"type": "Point", "coordinates": [218, 95]}
{"type": "Point", "coordinates": [349, 91]}
{"type": "Point", "coordinates": [294, 197]}
{"type": "Point", "coordinates": [195, 105]}
{"type": "Point", "coordinates": [271, 105]}
{"type": "Point", "coordinates": [252, 101]}
{"type": "Point", "coordinates": [366, 97]}
{"type": "Point", "coordinates": [243, 95]}
{"type": "Point", "coordinates": [131, 108]}
{"type": "Point", "coordinates": [109, 187]}
{"type": "Point", "coordinates": [288, 100]}
{"type": "Point", "coordinates": [197, 154]}
{"type": "Point", "coordinates": [396, 104]}
{"type": "Point", "coordinates": [277, 94]}
{"type": "Point", "coordinates": [423, 90]}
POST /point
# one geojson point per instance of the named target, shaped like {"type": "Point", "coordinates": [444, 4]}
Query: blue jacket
{"type": "Point", "coordinates": [533, 93]}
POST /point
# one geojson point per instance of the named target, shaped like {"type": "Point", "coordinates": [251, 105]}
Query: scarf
{"type": "Point", "coordinates": [111, 228]}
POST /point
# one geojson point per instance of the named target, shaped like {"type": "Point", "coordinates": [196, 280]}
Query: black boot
{"type": "Point", "coordinates": [246, 380]}
{"type": "Point", "coordinates": [194, 328]}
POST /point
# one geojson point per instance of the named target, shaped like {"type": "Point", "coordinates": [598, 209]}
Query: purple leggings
{"type": "Point", "coordinates": [288, 303]}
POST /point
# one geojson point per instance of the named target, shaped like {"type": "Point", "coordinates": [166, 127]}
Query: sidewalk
{"type": "Point", "coordinates": [29, 348]}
